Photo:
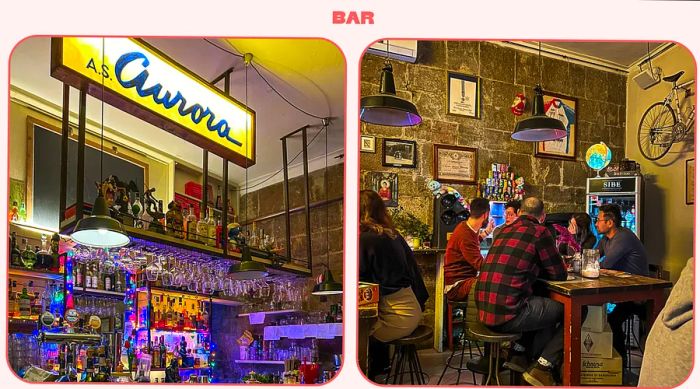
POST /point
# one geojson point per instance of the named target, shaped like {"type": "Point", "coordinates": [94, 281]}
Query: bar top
{"type": "Point", "coordinates": [610, 280]}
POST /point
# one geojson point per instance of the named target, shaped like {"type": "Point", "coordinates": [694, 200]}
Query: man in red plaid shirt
{"type": "Point", "coordinates": [521, 253]}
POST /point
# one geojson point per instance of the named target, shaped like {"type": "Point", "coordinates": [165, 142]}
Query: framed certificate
{"type": "Point", "coordinates": [454, 164]}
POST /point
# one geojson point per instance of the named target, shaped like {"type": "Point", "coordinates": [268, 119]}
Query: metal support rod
{"type": "Point", "coordinates": [287, 217]}
{"type": "Point", "coordinates": [224, 211]}
{"type": "Point", "coordinates": [205, 183]}
{"type": "Point", "coordinates": [65, 134]}
{"type": "Point", "coordinates": [307, 196]}
{"type": "Point", "coordinates": [225, 75]}
{"type": "Point", "coordinates": [80, 176]}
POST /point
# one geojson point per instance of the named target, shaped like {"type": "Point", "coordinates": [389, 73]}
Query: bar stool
{"type": "Point", "coordinates": [465, 341]}
{"type": "Point", "coordinates": [482, 333]}
{"type": "Point", "coordinates": [405, 359]}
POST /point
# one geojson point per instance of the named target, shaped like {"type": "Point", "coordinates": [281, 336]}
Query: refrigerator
{"type": "Point", "coordinates": [625, 191]}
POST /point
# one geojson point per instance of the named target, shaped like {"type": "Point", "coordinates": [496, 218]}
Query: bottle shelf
{"type": "Point", "coordinates": [280, 312]}
{"type": "Point", "coordinates": [98, 292]}
{"type": "Point", "coordinates": [38, 274]}
{"type": "Point", "coordinates": [257, 362]}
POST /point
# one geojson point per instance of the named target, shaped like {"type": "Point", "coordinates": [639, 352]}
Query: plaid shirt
{"type": "Point", "coordinates": [519, 254]}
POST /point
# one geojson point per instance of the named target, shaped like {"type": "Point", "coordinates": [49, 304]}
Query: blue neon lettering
{"type": "Point", "coordinates": [196, 112]}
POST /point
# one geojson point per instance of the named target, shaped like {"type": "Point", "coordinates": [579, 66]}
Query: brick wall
{"type": "Point", "coordinates": [504, 72]}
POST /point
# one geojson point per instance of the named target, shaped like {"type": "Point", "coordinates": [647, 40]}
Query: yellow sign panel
{"type": "Point", "coordinates": [141, 75]}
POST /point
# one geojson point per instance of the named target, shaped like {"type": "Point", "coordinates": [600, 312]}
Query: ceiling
{"type": "Point", "coordinates": [309, 73]}
{"type": "Point", "coordinates": [617, 54]}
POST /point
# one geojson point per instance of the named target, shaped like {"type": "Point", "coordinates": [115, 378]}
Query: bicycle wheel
{"type": "Point", "coordinates": [655, 134]}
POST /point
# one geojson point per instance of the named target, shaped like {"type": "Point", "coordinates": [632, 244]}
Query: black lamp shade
{"type": "Point", "coordinates": [328, 286]}
{"type": "Point", "coordinates": [248, 269]}
{"type": "Point", "coordinates": [99, 229]}
{"type": "Point", "coordinates": [539, 127]}
{"type": "Point", "coordinates": [386, 108]}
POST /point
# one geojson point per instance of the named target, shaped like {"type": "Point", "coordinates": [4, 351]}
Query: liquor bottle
{"type": "Point", "coordinates": [43, 257]}
{"type": "Point", "coordinates": [219, 229]}
{"type": "Point", "coordinates": [163, 352]}
{"type": "Point", "coordinates": [24, 304]}
{"type": "Point", "coordinates": [137, 211]}
{"type": "Point", "coordinates": [15, 254]}
{"type": "Point", "coordinates": [39, 264]}
{"type": "Point", "coordinates": [191, 228]}
{"type": "Point", "coordinates": [205, 317]}
{"type": "Point", "coordinates": [109, 284]}
{"type": "Point", "coordinates": [88, 276]}
{"type": "Point", "coordinates": [28, 256]}
{"type": "Point", "coordinates": [118, 286]}
{"type": "Point", "coordinates": [95, 277]}
{"type": "Point", "coordinates": [218, 204]}
{"type": "Point", "coordinates": [156, 354]}
{"type": "Point", "coordinates": [203, 229]}
{"type": "Point", "coordinates": [78, 275]}
{"type": "Point", "coordinates": [211, 229]}
{"type": "Point", "coordinates": [56, 265]}
{"type": "Point", "coordinates": [13, 215]}
{"type": "Point", "coordinates": [36, 307]}
{"type": "Point", "coordinates": [22, 212]}
{"type": "Point", "coordinates": [12, 301]}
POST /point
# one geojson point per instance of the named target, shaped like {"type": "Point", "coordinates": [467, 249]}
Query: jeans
{"type": "Point", "coordinates": [616, 319]}
{"type": "Point", "coordinates": [540, 321]}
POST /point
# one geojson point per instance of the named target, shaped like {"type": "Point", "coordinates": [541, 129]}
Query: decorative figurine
{"type": "Point", "coordinates": [174, 221]}
{"type": "Point", "coordinates": [154, 209]}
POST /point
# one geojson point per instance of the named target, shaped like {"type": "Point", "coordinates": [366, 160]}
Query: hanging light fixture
{"type": "Point", "coordinates": [327, 285]}
{"type": "Point", "coordinates": [386, 108]}
{"type": "Point", "coordinates": [539, 127]}
{"type": "Point", "coordinates": [247, 269]}
{"type": "Point", "coordinates": [100, 229]}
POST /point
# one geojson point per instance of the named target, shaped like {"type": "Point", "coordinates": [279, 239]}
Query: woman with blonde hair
{"type": "Point", "coordinates": [386, 259]}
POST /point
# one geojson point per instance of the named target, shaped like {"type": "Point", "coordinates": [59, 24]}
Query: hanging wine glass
{"type": "Point", "coordinates": [152, 269]}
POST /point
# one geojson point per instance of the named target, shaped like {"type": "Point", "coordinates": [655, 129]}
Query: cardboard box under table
{"type": "Point", "coordinates": [601, 371]}
{"type": "Point", "coordinates": [596, 344]}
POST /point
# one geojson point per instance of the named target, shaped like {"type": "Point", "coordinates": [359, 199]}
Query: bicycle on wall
{"type": "Point", "coordinates": [665, 122]}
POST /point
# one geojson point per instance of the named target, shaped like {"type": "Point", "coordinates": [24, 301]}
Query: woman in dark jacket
{"type": "Point", "coordinates": [580, 228]}
{"type": "Point", "coordinates": [386, 259]}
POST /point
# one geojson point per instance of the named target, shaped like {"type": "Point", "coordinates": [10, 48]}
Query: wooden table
{"type": "Point", "coordinates": [612, 287]}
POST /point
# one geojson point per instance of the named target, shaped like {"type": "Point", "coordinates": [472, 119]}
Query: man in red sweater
{"type": "Point", "coordinates": [463, 256]}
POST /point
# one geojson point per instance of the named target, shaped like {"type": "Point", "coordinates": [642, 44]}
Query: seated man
{"type": "Point", "coordinates": [511, 213]}
{"type": "Point", "coordinates": [463, 255]}
{"type": "Point", "coordinates": [522, 252]}
{"type": "Point", "coordinates": [620, 249]}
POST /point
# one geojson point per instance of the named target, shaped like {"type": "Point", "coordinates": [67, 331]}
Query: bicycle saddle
{"type": "Point", "coordinates": [674, 77]}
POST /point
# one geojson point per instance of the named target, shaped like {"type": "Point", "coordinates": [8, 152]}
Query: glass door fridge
{"type": "Point", "coordinates": [627, 192]}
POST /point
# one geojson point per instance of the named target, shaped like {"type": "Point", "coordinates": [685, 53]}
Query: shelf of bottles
{"type": "Point", "coordinates": [173, 326]}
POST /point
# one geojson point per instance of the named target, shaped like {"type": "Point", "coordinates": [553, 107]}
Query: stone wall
{"type": "Point", "coordinates": [504, 72]}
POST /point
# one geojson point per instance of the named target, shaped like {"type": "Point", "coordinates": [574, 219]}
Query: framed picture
{"type": "Point", "coordinates": [367, 144]}
{"type": "Point", "coordinates": [399, 153]}
{"type": "Point", "coordinates": [564, 109]}
{"type": "Point", "coordinates": [463, 95]}
{"type": "Point", "coordinates": [454, 164]}
{"type": "Point", "coordinates": [387, 185]}
{"type": "Point", "coordinates": [690, 181]}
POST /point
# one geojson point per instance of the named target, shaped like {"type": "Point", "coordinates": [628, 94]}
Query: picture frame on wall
{"type": "Point", "coordinates": [463, 95]}
{"type": "Point", "coordinates": [387, 186]}
{"type": "Point", "coordinates": [368, 144]}
{"type": "Point", "coordinates": [398, 153]}
{"type": "Point", "coordinates": [565, 109]}
{"type": "Point", "coordinates": [690, 181]}
{"type": "Point", "coordinates": [455, 164]}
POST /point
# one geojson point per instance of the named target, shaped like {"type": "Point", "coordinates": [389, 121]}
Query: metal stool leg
{"type": "Point", "coordinates": [488, 378]}
{"type": "Point", "coordinates": [470, 357]}
{"type": "Point", "coordinates": [391, 366]}
{"type": "Point", "coordinates": [420, 370]}
{"type": "Point", "coordinates": [497, 349]}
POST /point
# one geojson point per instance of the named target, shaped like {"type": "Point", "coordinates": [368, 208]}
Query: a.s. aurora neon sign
{"type": "Point", "coordinates": [144, 82]}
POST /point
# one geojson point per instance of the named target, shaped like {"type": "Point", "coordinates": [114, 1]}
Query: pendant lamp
{"type": "Point", "coordinates": [539, 127]}
{"type": "Point", "coordinates": [327, 285]}
{"type": "Point", "coordinates": [100, 229]}
{"type": "Point", "coordinates": [386, 108]}
{"type": "Point", "coordinates": [247, 269]}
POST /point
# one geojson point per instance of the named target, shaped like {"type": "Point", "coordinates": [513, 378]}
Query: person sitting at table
{"type": "Point", "coordinates": [580, 227]}
{"type": "Point", "coordinates": [511, 213]}
{"type": "Point", "coordinates": [386, 259]}
{"type": "Point", "coordinates": [620, 249]}
{"type": "Point", "coordinates": [463, 254]}
{"type": "Point", "coordinates": [524, 251]}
